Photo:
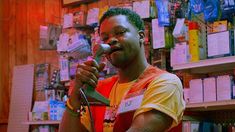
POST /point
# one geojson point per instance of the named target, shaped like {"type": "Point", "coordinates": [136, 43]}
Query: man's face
{"type": "Point", "coordinates": [123, 38]}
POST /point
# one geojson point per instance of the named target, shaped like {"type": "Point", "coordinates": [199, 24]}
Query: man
{"type": "Point", "coordinates": [143, 98]}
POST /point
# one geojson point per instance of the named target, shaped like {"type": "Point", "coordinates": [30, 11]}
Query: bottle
{"type": "Point", "coordinates": [194, 41]}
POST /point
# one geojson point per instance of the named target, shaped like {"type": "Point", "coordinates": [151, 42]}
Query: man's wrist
{"type": "Point", "coordinates": [74, 111]}
{"type": "Point", "coordinates": [75, 98]}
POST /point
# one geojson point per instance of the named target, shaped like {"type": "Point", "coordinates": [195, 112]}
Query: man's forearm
{"type": "Point", "coordinates": [151, 121]}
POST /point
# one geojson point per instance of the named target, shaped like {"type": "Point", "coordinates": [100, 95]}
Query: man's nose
{"type": "Point", "coordinates": [112, 40]}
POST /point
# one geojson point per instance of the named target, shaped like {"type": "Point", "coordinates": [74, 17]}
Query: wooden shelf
{"type": "Point", "coordinates": [208, 65]}
{"type": "Point", "coordinates": [208, 106]}
{"type": "Point", "coordinates": [42, 122]}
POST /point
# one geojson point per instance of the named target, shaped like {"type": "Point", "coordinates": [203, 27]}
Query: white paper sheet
{"type": "Point", "coordinates": [180, 54]}
{"type": "Point", "coordinates": [64, 69]}
{"type": "Point", "coordinates": [92, 16]}
{"type": "Point", "coordinates": [68, 20]}
{"type": "Point", "coordinates": [158, 35]}
{"type": "Point", "coordinates": [179, 28]}
{"type": "Point", "coordinates": [142, 8]}
{"type": "Point", "coordinates": [218, 44]}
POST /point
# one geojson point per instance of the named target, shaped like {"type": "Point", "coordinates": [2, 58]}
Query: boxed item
{"type": "Point", "coordinates": [209, 89]}
{"type": "Point", "coordinates": [224, 87]}
{"type": "Point", "coordinates": [196, 91]}
{"type": "Point", "coordinates": [220, 44]}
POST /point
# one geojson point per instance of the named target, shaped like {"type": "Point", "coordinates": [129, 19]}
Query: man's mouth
{"type": "Point", "coordinates": [114, 49]}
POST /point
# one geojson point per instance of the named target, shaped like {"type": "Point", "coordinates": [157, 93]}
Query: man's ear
{"type": "Point", "coordinates": [142, 36]}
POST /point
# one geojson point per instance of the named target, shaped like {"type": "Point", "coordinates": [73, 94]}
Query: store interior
{"type": "Point", "coordinates": [42, 41]}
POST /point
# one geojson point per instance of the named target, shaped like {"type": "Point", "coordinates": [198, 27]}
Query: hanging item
{"type": "Point", "coordinates": [49, 36]}
{"type": "Point", "coordinates": [197, 6]}
{"type": "Point", "coordinates": [163, 12]}
{"type": "Point", "coordinates": [211, 10]}
{"type": "Point", "coordinates": [227, 8]}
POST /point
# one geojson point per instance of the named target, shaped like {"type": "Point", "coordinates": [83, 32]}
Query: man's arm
{"type": "Point", "coordinates": [165, 94]}
{"type": "Point", "coordinates": [151, 121]}
{"type": "Point", "coordinates": [86, 73]}
{"type": "Point", "coordinates": [71, 123]}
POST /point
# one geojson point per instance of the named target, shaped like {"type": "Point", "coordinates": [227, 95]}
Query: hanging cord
{"type": "Point", "coordinates": [88, 105]}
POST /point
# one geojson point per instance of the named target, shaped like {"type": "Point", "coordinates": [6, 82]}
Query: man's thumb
{"type": "Point", "coordinates": [101, 66]}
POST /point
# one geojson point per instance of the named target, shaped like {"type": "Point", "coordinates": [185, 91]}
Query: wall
{"type": "Point", "coordinates": [19, 41]}
{"type": "Point", "coordinates": [4, 66]}
{"type": "Point", "coordinates": [19, 38]}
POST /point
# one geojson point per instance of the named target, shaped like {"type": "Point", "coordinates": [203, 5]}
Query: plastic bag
{"type": "Point", "coordinates": [211, 10]}
{"type": "Point", "coordinates": [197, 6]}
{"type": "Point", "coordinates": [163, 12]}
{"type": "Point", "coordinates": [227, 8]}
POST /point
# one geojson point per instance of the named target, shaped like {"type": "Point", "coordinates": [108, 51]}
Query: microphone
{"type": "Point", "coordinates": [99, 50]}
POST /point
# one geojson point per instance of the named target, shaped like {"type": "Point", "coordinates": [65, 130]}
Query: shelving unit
{"type": "Point", "coordinates": [217, 111]}
{"type": "Point", "coordinates": [208, 65]}
{"type": "Point", "coordinates": [35, 125]}
{"type": "Point", "coordinates": [209, 106]}
{"type": "Point", "coordinates": [42, 122]}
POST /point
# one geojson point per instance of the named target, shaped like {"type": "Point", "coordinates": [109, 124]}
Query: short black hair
{"type": "Point", "coordinates": [132, 17]}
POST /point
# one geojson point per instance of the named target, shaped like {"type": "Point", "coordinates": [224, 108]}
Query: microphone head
{"type": "Point", "coordinates": [100, 49]}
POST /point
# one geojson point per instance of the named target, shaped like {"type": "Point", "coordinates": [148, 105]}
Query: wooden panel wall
{"type": "Point", "coordinates": [19, 41]}
{"type": "Point", "coordinates": [4, 64]}
{"type": "Point", "coordinates": [19, 38]}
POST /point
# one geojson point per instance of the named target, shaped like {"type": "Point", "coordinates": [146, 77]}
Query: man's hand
{"type": "Point", "coordinates": [87, 73]}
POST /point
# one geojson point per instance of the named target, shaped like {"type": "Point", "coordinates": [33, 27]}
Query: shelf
{"type": "Point", "coordinates": [208, 65]}
{"type": "Point", "coordinates": [208, 106]}
{"type": "Point", "coordinates": [42, 122]}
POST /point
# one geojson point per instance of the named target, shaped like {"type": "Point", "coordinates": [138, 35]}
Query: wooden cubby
{"type": "Point", "coordinates": [216, 111]}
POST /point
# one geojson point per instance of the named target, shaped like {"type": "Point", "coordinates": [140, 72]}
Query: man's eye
{"type": "Point", "coordinates": [121, 32]}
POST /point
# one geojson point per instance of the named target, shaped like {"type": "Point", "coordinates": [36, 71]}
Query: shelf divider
{"type": "Point", "coordinates": [208, 65]}
{"type": "Point", "coordinates": [208, 106]}
{"type": "Point", "coordinates": [42, 122]}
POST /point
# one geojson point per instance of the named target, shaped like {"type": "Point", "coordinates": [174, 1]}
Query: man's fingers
{"type": "Point", "coordinates": [86, 77]}
{"type": "Point", "coordinates": [90, 69]}
{"type": "Point", "coordinates": [88, 72]}
{"type": "Point", "coordinates": [92, 63]}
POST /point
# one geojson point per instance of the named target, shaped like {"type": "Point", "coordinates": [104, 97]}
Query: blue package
{"type": "Point", "coordinates": [163, 12]}
{"type": "Point", "coordinates": [56, 109]}
{"type": "Point", "coordinates": [211, 10]}
{"type": "Point", "coordinates": [197, 6]}
{"type": "Point", "coordinates": [189, 14]}
{"type": "Point", "coordinates": [227, 8]}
